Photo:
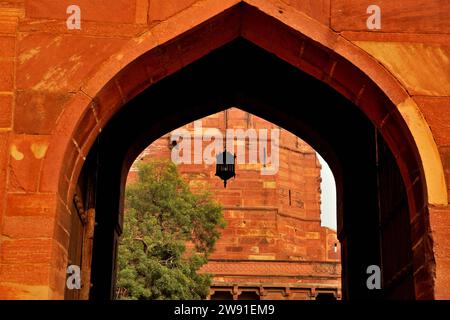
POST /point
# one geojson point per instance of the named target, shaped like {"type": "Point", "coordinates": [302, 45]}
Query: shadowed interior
{"type": "Point", "coordinates": [373, 214]}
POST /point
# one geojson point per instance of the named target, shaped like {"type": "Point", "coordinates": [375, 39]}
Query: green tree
{"type": "Point", "coordinates": [168, 235]}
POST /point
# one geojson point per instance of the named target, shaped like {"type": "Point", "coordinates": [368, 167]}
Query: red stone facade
{"type": "Point", "coordinates": [273, 246]}
{"type": "Point", "coordinates": [60, 88]}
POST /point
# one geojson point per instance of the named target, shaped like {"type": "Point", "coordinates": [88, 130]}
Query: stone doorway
{"type": "Point", "coordinates": [373, 206]}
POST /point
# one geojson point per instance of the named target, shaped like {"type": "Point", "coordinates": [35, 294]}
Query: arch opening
{"type": "Point", "coordinates": [273, 242]}
{"type": "Point", "coordinates": [242, 74]}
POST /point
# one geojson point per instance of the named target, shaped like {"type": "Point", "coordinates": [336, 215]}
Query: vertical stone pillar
{"type": "Point", "coordinates": [440, 228]}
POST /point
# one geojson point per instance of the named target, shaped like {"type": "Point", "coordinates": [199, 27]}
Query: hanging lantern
{"type": "Point", "coordinates": [225, 166]}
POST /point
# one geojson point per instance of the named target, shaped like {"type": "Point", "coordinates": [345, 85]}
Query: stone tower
{"type": "Point", "coordinates": [273, 246]}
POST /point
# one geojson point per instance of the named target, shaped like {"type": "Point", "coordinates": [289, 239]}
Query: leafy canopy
{"type": "Point", "coordinates": [168, 235]}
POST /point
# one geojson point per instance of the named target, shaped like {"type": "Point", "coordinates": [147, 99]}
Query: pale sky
{"type": "Point", "coordinates": [328, 206]}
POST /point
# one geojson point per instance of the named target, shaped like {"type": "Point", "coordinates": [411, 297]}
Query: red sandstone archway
{"type": "Point", "coordinates": [294, 38]}
{"type": "Point", "coordinates": [237, 74]}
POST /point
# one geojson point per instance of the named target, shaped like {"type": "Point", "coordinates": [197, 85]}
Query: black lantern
{"type": "Point", "coordinates": [225, 166]}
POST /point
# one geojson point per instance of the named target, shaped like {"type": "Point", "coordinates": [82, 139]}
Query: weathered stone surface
{"type": "Point", "coordinates": [317, 9]}
{"type": "Point", "coordinates": [6, 75]}
{"type": "Point", "coordinates": [445, 154]}
{"type": "Point", "coordinates": [31, 205]}
{"type": "Point", "coordinates": [160, 10]}
{"type": "Point", "coordinates": [424, 69]}
{"type": "Point", "coordinates": [26, 153]}
{"type": "Point", "coordinates": [440, 227]}
{"type": "Point", "coordinates": [64, 60]}
{"type": "Point", "coordinates": [436, 111]}
{"type": "Point", "coordinates": [27, 227]}
{"type": "Point", "coordinates": [12, 291]}
{"type": "Point", "coordinates": [3, 173]}
{"type": "Point", "coordinates": [6, 110]}
{"type": "Point", "coordinates": [29, 251]}
{"type": "Point", "coordinates": [7, 46]}
{"type": "Point", "coordinates": [37, 111]}
{"type": "Point", "coordinates": [31, 274]}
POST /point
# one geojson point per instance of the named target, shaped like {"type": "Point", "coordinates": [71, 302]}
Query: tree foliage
{"type": "Point", "coordinates": [168, 235]}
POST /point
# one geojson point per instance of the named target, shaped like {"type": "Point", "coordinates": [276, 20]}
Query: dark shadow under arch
{"type": "Point", "coordinates": [245, 76]}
